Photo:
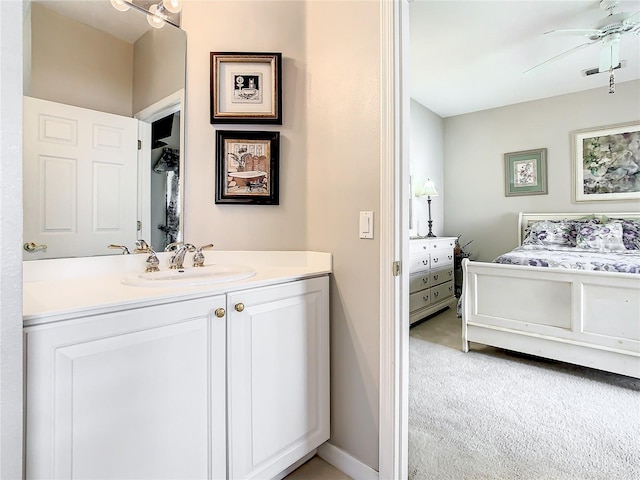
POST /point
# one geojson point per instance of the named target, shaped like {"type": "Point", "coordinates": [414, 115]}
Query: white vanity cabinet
{"type": "Point", "coordinates": [133, 394]}
{"type": "Point", "coordinates": [278, 376]}
{"type": "Point", "coordinates": [183, 389]}
{"type": "Point", "coordinates": [431, 276]}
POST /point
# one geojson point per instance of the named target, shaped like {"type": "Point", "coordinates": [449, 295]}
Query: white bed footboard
{"type": "Point", "coordinates": [581, 317]}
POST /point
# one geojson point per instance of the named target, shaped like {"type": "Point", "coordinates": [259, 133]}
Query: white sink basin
{"type": "Point", "coordinates": [191, 276]}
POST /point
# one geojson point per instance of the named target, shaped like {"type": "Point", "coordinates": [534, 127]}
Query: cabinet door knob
{"type": "Point", "coordinates": [220, 312]}
{"type": "Point", "coordinates": [239, 307]}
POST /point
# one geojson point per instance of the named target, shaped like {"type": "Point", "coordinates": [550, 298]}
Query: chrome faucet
{"type": "Point", "coordinates": [177, 260]}
{"type": "Point", "coordinates": [153, 263]}
{"type": "Point", "coordinates": [198, 258]}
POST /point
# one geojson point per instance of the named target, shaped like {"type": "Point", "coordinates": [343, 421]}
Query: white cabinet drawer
{"type": "Point", "coordinates": [418, 263]}
{"type": "Point", "coordinates": [442, 292]}
{"type": "Point", "coordinates": [419, 282]}
{"type": "Point", "coordinates": [442, 245]}
{"type": "Point", "coordinates": [441, 276]}
{"type": "Point", "coordinates": [441, 258]}
{"type": "Point", "coordinates": [419, 300]}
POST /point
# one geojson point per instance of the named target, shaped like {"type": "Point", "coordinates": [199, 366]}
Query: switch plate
{"type": "Point", "coordinates": [366, 224]}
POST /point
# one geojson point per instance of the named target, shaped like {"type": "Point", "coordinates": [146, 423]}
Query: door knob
{"type": "Point", "coordinates": [32, 247]}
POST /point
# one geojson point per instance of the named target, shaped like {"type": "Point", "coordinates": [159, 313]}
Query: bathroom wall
{"type": "Point", "coordinates": [474, 147]}
{"type": "Point", "coordinates": [329, 161]}
{"type": "Point", "coordinates": [94, 73]}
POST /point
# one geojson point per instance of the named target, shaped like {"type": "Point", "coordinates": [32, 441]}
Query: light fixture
{"type": "Point", "coordinates": [157, 14]}
{"type": "Point", "coordinates": [156, 17]}
{"type": "Point", "coordinates": [429, 190]}
{"type": "Point", "coordinates": [173, 6]}
{"type": "Point", "coordinates": [121, 5]}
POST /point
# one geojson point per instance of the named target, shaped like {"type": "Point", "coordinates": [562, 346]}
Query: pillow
{"type": "Point", "coordinates": [606, 237]}
{"type": "Point", "coordinates": [630, 233]}
{"type": "Point", "coordinates": [554, 233]}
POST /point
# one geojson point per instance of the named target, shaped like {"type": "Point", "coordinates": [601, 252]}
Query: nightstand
{"type": "Point", "coordinates": [431, 277]}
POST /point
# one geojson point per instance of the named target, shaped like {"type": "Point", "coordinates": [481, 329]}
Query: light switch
{"type": "Point", "coordinates": [366, 225]}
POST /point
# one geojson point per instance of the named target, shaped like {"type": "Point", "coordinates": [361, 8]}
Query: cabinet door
{"type": "Point", "coordinates": [133, 394]}
{"type": "Point", "coordinates": [278, 376]}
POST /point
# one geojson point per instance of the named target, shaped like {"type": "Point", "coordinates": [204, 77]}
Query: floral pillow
{"type": "Point", "coordinates": [606, 237]}
{"type": "Point", "coordinates": [554, 233]}
{"type": "Point", "coordinates": [630, 232]}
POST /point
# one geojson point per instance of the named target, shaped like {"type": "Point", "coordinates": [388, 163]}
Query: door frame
{"type": "Point", "coordinates": [394, 243]}
{"type": "Point", "coordinates": [170, 104]}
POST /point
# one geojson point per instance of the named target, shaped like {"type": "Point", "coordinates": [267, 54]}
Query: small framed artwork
{"type": "Point", "coordinates": [606, 163]}
{"type": "Point", "coordinates": [247, 165]}
{"type": "Point", "coordinates": [526, 172]}
{"type": "Point", "coordinates": [246, 88]}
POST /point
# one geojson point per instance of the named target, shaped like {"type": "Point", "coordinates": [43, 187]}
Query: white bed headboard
{"type": "Point", "coordinates": [525, 219]}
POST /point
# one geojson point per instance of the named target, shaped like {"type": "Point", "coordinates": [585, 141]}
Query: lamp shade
{"type": "Point", "coordinates": [429, 189]}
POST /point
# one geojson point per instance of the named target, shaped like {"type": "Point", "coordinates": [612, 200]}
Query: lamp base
{"type": "Point", "coordinates": [430, 234]}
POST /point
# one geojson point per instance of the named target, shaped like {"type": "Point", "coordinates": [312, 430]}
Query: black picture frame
{"type": "Point", "coordinates": [247, 167]}
{"type": "Point", "coordinates": [246, 88]}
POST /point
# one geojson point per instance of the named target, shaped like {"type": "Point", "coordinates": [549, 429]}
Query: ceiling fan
{"type": "Point", "coordinates": [606, 32]}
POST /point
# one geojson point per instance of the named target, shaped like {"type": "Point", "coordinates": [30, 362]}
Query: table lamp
{"type": "Point", "coordinates": [429, 190]}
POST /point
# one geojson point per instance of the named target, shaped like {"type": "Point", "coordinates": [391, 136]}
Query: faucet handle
{"type": "Point", "coordinates": [198, 258]}
{"type": "Point", "coordinates": [172, 246]}
{"type": "Point", "coordinates": [153, 263]}
{"type": "Point", "coordinates": [142, 246]}
{"type": "Point", "coordinates": [125, 250]}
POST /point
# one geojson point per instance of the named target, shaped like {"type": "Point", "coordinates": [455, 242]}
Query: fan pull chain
{"type": "Point", "coordinates": [612, 81]}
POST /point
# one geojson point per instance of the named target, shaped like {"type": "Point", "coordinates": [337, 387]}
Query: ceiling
{"type": "Point", "coordinates": [471, 55]}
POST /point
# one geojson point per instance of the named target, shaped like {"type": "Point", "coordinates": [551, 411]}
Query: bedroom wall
{"type": "Point", "coordinates": [474, 144]}
{"type": "Point", "coordinates": [426, 158]}
{"type": "Point", "coordinates": [329, 171]}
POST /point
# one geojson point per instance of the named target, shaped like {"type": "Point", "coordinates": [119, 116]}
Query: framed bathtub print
{"type": "Point", "coordinates": [246, 88]}
{"type": "Point", "coordinates": [606, 163]}
{"type": "Point", "coordinates": [526, 172]}
{"type": "Point", "coordinates": [247, 167]}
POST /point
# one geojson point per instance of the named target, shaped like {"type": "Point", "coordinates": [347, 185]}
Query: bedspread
{"type": "Point", "coordinates": [573, 258]}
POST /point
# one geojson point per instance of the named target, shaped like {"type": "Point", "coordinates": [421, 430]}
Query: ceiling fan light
{"type": "Point", "coordinates": [173, 6]}
{"type": "Point", "coordinates": [120, 5]}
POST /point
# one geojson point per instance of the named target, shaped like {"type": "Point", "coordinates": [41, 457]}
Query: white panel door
{"type": "Point", "coordinates": [130, 395]}
{"type": "Point", "coordinates": [278, 376]}
{"type": "Point", "coordinates": [80, 179]}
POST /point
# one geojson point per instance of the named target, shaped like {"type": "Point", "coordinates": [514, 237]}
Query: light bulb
{"type": "Point", "coordinates": [120, 5]}
{"type": "Point", "coordinates": [155, 17]}
{"type": "Point", "coordinates": [173, 6]}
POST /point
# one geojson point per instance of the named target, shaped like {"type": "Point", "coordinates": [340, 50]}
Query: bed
{"type": "Point", "coordinates": [581, 311]}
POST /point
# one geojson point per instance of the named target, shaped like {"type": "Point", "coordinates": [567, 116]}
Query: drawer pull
{"type": "Point", "coordinates": [425, 297]}
{"type": "Point", "coordinates": [450, 288]}
{"type": "Point", "coordinates": [425, 262]}
{"type": "Point", "coordinates": [450, 257]}
{"type": "Point", "coordinates": [435, 277]}
{"type": "Point", "coordinates": [219, 312]}
{"type": "Point", "coordinates": [450, 273]}
{"type": "Point", "coordinates": [435, 294]}
{"type": "Point", "coordinates": [425, 280]}
{"type": "Point", "coordinates": [435, 260]}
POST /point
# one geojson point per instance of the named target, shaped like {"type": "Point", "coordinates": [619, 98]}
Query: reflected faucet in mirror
{"type": "Point", "coordinates": [68, 193]}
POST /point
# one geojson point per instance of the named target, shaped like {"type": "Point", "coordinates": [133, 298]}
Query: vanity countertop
{"type": "Point", "coordinates": [62, 289]}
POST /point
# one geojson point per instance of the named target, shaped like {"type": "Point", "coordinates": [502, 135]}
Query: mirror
{"type": "Point", "coordinates": [96, 81]}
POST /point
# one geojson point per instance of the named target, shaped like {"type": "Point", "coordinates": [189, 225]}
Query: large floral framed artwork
{"type": "Point", "coordinates": [526, 172]}
{"type": "Point", "coordinates": [606, 163]}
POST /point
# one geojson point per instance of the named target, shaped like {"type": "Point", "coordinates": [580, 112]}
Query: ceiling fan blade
{"type": "Point", "coordinates": [586, 32]}
{"type": "Point", "coordinates": [609, 56]}
{"type": "Point", "coordinates": [564, 54]}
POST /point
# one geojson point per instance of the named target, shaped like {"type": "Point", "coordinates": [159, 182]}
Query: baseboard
{"type": "Point", "coordinates": [346, 463]}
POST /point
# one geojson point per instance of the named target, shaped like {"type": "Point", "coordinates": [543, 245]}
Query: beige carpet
{"type": "Point", "coordinates": [491, 414]}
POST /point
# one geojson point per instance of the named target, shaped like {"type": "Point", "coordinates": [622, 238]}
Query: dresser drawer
{"type": "Point", "coordinates": [419, 300]}
{"type": "Point", "coordinates": [440, 276]}
{"type": "Point", "coordinates": [418, 263]}
{"type": "Point", "coordinates": [419, 282]}
{"type": "Point", "coordinates": [441, 292]}
{"type": "Point", "coordinates": [441, 258]}
{"type": "Point", "coordinates": [442, 244]}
